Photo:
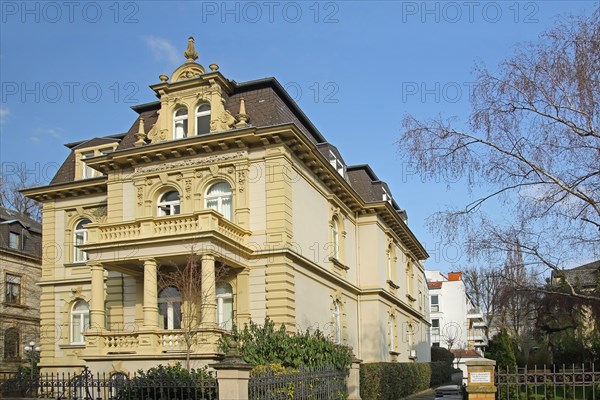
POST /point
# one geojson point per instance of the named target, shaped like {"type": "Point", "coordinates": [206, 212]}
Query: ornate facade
{"type": "Point", "coordinates": [238, 175]}
{"type": "Point", "coordinates": [20, 270]}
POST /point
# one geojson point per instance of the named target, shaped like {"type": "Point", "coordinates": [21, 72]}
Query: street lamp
{"type": "Point", "coordinates": [32, 353]}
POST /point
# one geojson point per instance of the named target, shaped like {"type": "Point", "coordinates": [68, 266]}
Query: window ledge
{"type": "Point", "coordinates": [16, 305]}
{"type": "Point", "coordinates": [72, 346]}
{"type": "Point", "coordinates": [392, 284]}
{"type": "Point", "coordinates": [338, 264]}
{"type": "Point", "coordinates": [76, 264]}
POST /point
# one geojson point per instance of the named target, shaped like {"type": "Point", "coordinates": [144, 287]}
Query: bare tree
{"type": "Point", "coordinates": [11, 182]}
{"type": "Point", "coordinates": [531, 148]}
{"type": "Point", "coordinates": [484, 285]}
{"type": "Point", "coordinates": [188, 281]}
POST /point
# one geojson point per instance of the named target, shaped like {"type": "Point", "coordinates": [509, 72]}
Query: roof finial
{"type": "Point", "coordinates": [190, 53]}
{"type": "Point", "coordinates": [141, 134]}
{"type": "Point", "coordinates": [242, 117]}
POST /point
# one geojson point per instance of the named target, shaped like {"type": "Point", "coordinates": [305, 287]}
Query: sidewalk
{"type": "Point", "coordinates": [428, 394]}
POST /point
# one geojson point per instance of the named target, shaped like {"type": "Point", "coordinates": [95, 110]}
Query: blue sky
{"type": "Point", "coordinates": [71, 70]}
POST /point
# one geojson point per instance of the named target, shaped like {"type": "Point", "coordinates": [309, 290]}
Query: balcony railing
{"type": "Point", "coordinates": [173, 225]}
{"type": "Point", "coordinates": [153, 342]}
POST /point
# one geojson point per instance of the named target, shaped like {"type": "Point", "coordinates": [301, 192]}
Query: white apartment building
{"type": "Point", "coordinates": [456, 324]}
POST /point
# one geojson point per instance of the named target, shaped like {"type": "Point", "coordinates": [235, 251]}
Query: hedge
{"type": "Point", "coordinates": [441, 372]}
{"type": "Point", "coordinates": [391, 381]}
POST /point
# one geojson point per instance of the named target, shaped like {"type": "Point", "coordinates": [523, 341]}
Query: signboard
{"type": "Point", "coordinates": [480, 377]}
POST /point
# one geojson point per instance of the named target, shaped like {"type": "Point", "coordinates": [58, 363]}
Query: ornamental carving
{"type": "Point", "coordinates": [188, 188]}
{"type": "Point", "coordinates": [223, 122]}
{"type": "Point", "coordinates": [192, 162]}
{"type": "Point", "coordinates": [98, 213]}
{"type": "Point", "coordinates": [241, 180]}
{"type": "Point", "coordinates": [140, 196]}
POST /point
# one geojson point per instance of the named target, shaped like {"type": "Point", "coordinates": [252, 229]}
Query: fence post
{"type": "Point", "coordinates": [233, 374]}
{"type": "Point", "coordinates": [354, 380]}
{"type": "Point", "coordinates": [481, 384]}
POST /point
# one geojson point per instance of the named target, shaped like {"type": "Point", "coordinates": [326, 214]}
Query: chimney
{"type": "Point", "coordinates": [455, 276]}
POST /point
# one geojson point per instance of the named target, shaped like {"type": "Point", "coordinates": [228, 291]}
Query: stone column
{"type": "Point", "coordinates": [97, 317]}
{"type": "Point", "coordinates": [480, 383]}
{"type": "Point", "coordinates": [209, 308]}
{"type": "Point", "coordinates": [354, 380]}
{"type": "Point", "coordinates": [150, 306]}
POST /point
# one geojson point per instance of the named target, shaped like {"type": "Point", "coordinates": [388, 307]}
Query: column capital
{"type": "Point", "coordinates": [94, 264]}
{"type": "Point", "coordinates": [148, 260]}
{"type": "Point", "coordinates": [207, 256]}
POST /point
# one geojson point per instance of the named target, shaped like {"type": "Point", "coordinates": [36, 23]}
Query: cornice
{"type": "Point", "coordinates": [70, 189]}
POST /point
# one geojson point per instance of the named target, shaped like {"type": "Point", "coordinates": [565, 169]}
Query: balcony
{"type": "Point", "coordinates": [154, 343]}
{"type": "Point", "coordinates": [475, 313]}
{"type": "Point", "coordinates": [179, 226]}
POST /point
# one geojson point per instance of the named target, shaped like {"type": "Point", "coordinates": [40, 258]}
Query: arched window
{"type": "Point", "coordinates": [169, 308]}
{"type": "Point", "coordinates": [168, 204]}
{"type": "Point", "coordinates": [180, 123]}
{"type": "Point", "coordinates": [203, 119]}
{"type": "Point", "coordinates": [335, 238]}
{"type": "Point", "coordinates": [80, 321]}
{"type": "Point", "coordinates": [337, 323]}
{"type": "Point", "coordinates": [392, 332]}
{"type": "Point", "coordinates": [218, 197]}
{"type": "Point", "coordinates": [11, 344]}
{"type": "Point", "coordinates": [80, 237]}
{"type": "Point", "coordinates": [224, 306]}
{"type": "Point", "coordinates": [390, 270]}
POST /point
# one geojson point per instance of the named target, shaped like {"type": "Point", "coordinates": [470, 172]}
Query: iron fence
{"type": "Point", "coordinates": [577, 382]}
{"type": "Point", "coordinates": [115, 386]}
{"type": "Point", "coordinates": [276, 383]}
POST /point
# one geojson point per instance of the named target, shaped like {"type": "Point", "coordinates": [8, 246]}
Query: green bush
{"type": "Point", "coordinates": [170, 382]}
{"type": "Point", "coordinates": [263, 344]}
{"type": "Point", "coordinates": [390, 381]}
{"type": "Point", "coordinates": [441, 354]}
{"type": "Point", "coordinates": [441, 372]}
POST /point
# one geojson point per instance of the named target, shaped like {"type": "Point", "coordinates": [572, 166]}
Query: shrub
{"type": "Point", "coordinates": [441, 354]}
{"type": "Point", "coordinates": [260, 345]}
{"type": "Point", "coordinates": [390, 381]}
{"type": "Point", "coordinates": [170, 382]}
{"type": "Point", "coordinates": [441, 372]}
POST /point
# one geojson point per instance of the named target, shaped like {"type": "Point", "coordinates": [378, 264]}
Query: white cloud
{"type": "Point", "coordinates": [46, 133]}
{"type": "Point", "coordinates": [163, 50]}
{"type": "Point", "coordinates": [3, 114]}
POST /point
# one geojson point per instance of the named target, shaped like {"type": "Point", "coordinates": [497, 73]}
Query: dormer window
{"type": "Point", "coordinates": [203, 119]}
{"type": "Point", "coordinates": [86, 172]}
{"type": "Point", "coordinates": [386, 196]}
{"type": "Point", "coordinates": [336, 163]}
{"type": "Point", "coordinates": [180, 122]}
{"type": "Point", "coordinates": [169, 203]}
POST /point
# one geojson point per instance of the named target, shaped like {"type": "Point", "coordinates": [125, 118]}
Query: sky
{"type": "Point", "coordinates": [71, 70]}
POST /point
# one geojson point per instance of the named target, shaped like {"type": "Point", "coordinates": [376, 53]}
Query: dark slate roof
{"type": "Point", "coordinates": [586, 274]}
{"type": "Point", "coordinates": [9, 216]}
{"type": "Point", "coordinates": [267, 104]}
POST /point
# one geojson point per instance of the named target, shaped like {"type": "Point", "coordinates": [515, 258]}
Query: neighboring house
{"type": "Point", "coordinates": [585, 279]}
{"type": "Point", "coordinates": [239, 173]}
{"type": "Point", "coordinates": [456, 323]}
{"type": "Point", "coordinates": [20, 271]}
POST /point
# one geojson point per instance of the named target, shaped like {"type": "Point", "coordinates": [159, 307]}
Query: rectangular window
{"type": "Point", "coordinates": [13, 289]}
{"type": "Point", "coordinates": [86, 172]}
{"type": "Point", "coordinates": [14, 240]}
{"type": "Point", "coordinates": [435, 303]}
{"type": "Point", "coordinates": [435, 326]}
{"type": "Point", "coordinates": [435, 344]}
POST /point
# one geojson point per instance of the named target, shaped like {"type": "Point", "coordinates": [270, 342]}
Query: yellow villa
{"type": "Point", "coordinates": [236, 173]}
